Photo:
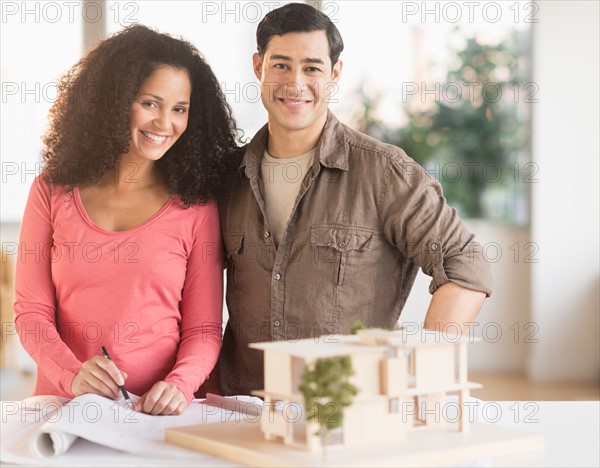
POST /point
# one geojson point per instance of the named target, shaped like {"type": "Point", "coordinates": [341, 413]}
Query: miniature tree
{"type": "Point", "coordinates": [327, 392]}
{"type": "Point", "coordinates": [357, 325]}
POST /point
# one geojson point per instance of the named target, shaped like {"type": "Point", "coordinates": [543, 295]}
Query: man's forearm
{"type": "Point", "coordinates": [454, 304]}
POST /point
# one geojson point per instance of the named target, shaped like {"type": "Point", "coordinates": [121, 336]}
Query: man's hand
{"type": "Point", "coordinates": [453, 304]}
{"type": "Point", "coordinates": [163, 398]}
{"type": "Point", "coordinates": [100, 376]}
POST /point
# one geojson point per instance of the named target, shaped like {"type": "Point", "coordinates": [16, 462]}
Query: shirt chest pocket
{"type": "Point", "coordinates": [344, 245]}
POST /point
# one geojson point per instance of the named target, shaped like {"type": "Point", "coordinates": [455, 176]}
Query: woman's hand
{"type": "Point", "coordinates": [163, 398]}
{"type": "Point", "coordinates": [100, 376]}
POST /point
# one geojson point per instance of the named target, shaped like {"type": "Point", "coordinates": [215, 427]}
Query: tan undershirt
{"type": "Point", "coordinates": [281, 181]}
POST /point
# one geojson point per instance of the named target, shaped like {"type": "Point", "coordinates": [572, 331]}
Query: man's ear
{"type": "Point", "coordinates": [336, 71]}
{"type": "Point", "coordinates": [257, 62]}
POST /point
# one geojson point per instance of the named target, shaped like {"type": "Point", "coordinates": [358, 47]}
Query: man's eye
{"type": "Point", "coordinates": [312, 69]}
{"type": "Point", "coordinates": [280, 65]}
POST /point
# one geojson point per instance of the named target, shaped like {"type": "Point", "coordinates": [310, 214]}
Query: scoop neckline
{"type": "Point", "coordinates": [86, 217]}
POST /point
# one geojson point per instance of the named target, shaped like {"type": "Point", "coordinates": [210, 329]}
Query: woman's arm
{"type": "Point", "coordinates": [35, 300]}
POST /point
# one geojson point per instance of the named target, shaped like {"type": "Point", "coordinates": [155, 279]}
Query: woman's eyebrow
{"type": "Point", "coordinates": [158, 98]}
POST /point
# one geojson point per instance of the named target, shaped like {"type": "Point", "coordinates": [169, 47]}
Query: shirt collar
{"type": "Point", "coordinates": [331, 148]}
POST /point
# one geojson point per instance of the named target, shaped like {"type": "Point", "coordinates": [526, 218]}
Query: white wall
{"type": "Point", "coordinates": [564, 300]}
{"type": "Point", "coordinates": [504, 323]}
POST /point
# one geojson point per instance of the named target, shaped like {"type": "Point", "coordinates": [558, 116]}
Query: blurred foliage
{"type": "Point", "coordinates": [472, 130]}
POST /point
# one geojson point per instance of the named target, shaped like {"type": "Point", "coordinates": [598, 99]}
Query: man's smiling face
{"type": "Point", "coordinates": [297, 80]}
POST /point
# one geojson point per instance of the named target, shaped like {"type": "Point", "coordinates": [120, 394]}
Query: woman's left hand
{"type": "Point", "coordinates": [162, 399]}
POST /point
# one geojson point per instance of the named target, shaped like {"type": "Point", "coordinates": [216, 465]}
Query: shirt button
{"type": "Point", "coordinates": [434, 246]}
{"type": "Point", "coordinates": [276, 323]}
{"type": "Point", "coordinates": [277, 276]}
{"type": "Point", "coordinates": [342, 244]}
{"type": "Point", "coordinates": [267, 234]}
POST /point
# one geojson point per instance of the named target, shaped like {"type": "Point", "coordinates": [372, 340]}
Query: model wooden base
{"type": "Point", "coordinates": [243, 442]}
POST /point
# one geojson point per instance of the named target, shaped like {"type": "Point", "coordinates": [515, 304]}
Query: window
{"type": "Point", "coordinates": [447, 82]}
{"type": "Point", "coordinates": [39, 42]}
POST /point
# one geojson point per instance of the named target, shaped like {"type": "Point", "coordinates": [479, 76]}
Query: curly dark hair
{"type": "Point", "coordinates": [89, 123]}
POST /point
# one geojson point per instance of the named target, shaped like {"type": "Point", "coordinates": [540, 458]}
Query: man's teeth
{"type": "Point", "coordinates": [295, 103]}
{"type": "Point", "coordinates": [157, 138]}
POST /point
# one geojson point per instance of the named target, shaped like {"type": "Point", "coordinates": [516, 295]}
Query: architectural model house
{"type": "Point", "coordinates": [409, 410]}
{"type": "Point", "coordinates": [403, 379]}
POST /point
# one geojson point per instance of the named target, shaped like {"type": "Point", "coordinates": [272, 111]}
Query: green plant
{"type": "Point", "coordinates": [327, 392]}
{"type": "Point", "coordinates": [471, 132]}
{"type": "Point", "coordinates": [357, 325]}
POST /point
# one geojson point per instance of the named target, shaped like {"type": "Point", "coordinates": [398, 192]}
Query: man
{"type": "Point", "coordinates": [323, 225]}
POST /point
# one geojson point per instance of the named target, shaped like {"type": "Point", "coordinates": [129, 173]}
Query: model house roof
{"type": "Point", "coordinates": [320, 347]}
{"type": "Point", "coordinates": [365, 341]}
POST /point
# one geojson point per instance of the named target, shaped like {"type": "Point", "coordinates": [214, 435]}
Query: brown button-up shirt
{"type": "Point", "coordinates": [366, 218]}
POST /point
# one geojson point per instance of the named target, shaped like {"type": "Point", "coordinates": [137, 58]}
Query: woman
{"type": "Point", "coordinates": [120, 240]}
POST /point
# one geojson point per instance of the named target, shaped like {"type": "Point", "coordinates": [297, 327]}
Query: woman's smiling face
{"type": "Point", "coordinates": [159, 113]}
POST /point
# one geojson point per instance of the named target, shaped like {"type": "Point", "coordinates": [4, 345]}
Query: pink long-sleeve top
{"type": "Point", "coordinates": [152, 294]}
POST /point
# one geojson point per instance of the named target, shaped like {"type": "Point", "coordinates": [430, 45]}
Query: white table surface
{"type": "Point", "coordinates": [571, 430]}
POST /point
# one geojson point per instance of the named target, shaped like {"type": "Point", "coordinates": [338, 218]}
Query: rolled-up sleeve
{"type": "Point", "coordinates": [415, 218]}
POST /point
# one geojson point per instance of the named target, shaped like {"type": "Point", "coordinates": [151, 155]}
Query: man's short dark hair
{"type": "Point", "coordinates": [298, 17]}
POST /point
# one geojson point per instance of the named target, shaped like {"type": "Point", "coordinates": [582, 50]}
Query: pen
{"type": "Point", "coordinates": [121, 387]}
